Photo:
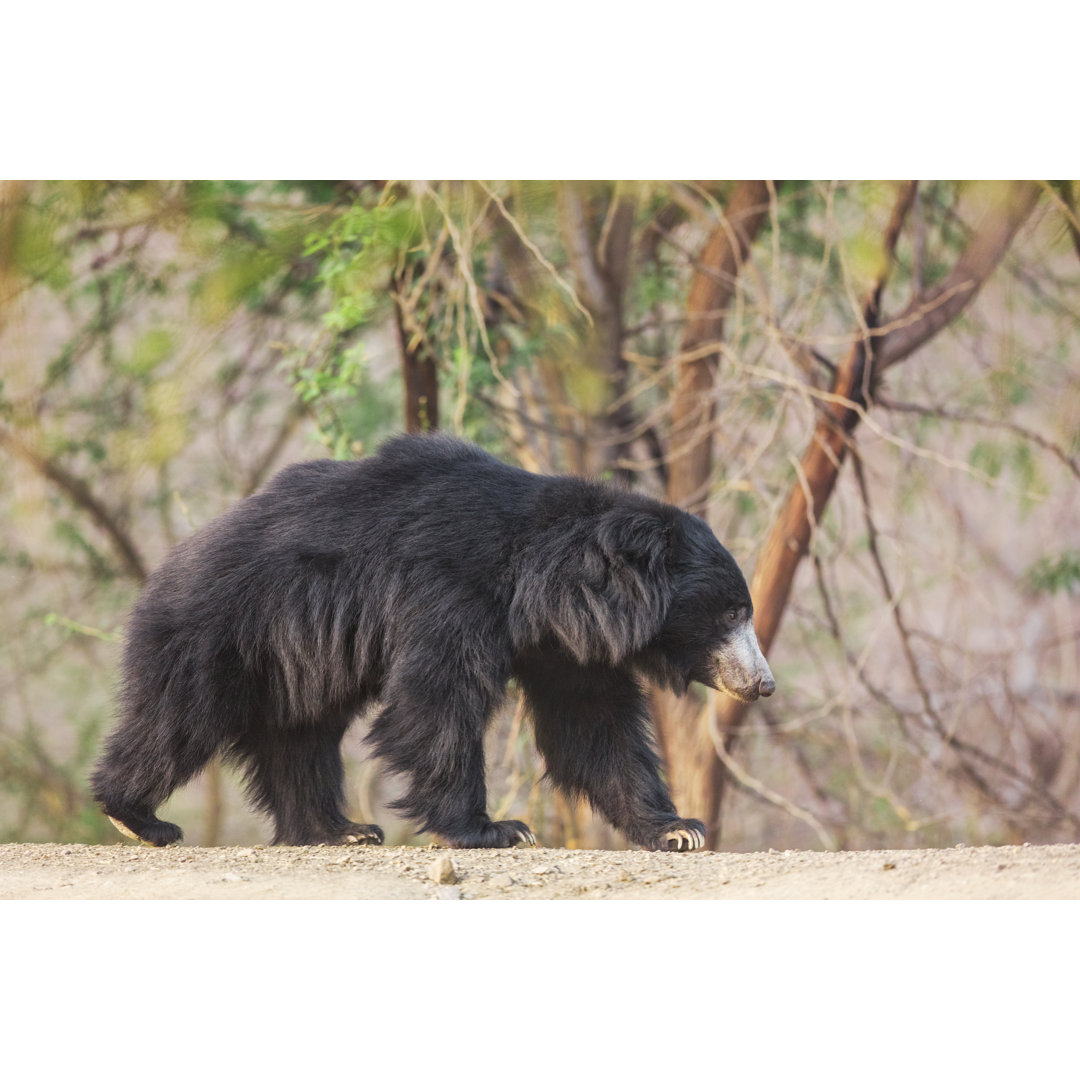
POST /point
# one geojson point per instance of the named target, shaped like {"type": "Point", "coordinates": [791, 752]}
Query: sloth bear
{"type": "Point", "coordinates": [424, 578]}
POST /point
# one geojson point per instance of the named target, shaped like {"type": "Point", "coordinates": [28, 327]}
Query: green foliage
{"type": "Point", "coordinates": [150, 350]}
{"type": "Point", "coordinates": [357, 252]}
{"type": "Point", "coordinates": [72, 536]}
{"type": "Point", "coordinates": [350, 409]}
{"type": "Point", "coordinates": [1056, 573]}
{"type": "Point", "coordinates": [35, 252]}
{"type": "Point", "coordinates": [1010, 381]}
{"type": "Point", "coordinates": [659, 283]}
{"type": "Point", "coordinates": [53, 619]}
{"type": "Point", "coordinates": [1016, 459]}
{"type": "Point", "coordinates": [988, 456]}
{"type": "Point", "coordinates": [238, 279]}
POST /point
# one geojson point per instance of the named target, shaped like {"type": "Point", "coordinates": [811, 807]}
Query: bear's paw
{"type": "Point", "coordinates": [682, 834]}
{"type": "Point", "coordinates": [495, 834]}
{"type": "Point", "coordinates": [361, 834]}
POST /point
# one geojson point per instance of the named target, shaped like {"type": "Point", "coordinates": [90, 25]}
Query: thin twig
{"type": "Point", "coordinates": [755, 785]}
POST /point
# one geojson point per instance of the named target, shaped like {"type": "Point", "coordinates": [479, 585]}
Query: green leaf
{"type": "Point", "coordinates": [1055, 573]}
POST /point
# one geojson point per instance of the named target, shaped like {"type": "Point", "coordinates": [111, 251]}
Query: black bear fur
{"type": "Point", "coordinates": [423, 578]}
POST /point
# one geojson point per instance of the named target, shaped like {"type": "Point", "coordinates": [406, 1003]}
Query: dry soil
{"type": "Point", "coordinates": [133, 872]}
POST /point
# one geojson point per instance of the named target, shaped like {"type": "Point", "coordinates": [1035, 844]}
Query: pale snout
{"type": "Point", "coordinates": [741, 667]}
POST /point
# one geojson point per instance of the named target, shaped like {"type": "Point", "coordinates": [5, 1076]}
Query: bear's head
{"type": "Point", "coordinates": [647, 584]}
{"type": "Point", "coordinates": [708, 632]}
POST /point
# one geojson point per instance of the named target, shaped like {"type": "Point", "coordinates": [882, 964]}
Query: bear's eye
{"type": "Point", "coordinates": [732, 616]}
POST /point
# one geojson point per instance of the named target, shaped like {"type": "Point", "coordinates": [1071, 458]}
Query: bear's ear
{"type": "Point", "coordinates": [636, 537]}
{"type": "Point", "coordinates": [607, 594]}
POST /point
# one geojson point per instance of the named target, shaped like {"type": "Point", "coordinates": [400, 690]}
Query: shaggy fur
{"type": "Point", "coordinates": [422, 578]}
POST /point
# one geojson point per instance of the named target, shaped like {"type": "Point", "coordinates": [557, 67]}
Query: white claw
{"type": "Point", "coordinates": [125, 830]}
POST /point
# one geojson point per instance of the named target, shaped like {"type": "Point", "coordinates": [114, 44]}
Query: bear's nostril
{"type": "Point", "coordinates": [766, 686]}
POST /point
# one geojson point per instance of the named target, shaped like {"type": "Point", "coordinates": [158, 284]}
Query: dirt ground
{"type": "Point", "coordinates": [132, 872]}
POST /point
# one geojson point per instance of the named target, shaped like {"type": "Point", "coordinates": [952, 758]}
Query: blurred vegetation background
{"type": "Point", "coordinates": [870, 390]}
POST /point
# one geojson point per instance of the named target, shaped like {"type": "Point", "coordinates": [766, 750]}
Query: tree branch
{"type": "Point", "coordinates": [789, 539]}
{"type": "Point", "coordinates": [934, 309]}
{"type": "Point", "coordinates": [80, 494]}
{"type": "Point", "coordinates": [1069, 462]}
{"type": "Point", "coordinates": [574, 227]}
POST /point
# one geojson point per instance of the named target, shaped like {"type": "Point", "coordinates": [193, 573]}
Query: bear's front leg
{"type": "Point", "coordinates": [593, 729]}
{"type": "Point", "coordinates": [431, 732]}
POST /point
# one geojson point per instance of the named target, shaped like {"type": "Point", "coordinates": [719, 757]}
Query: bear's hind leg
{"type": "Point", "coordinates": [433, 735]}
{"type": "Point", "coordinates": [592, 728]}
{"type": "Point", "coordinates": [296, 775]}
{"type": "Point", "coordinates": [140, 769]}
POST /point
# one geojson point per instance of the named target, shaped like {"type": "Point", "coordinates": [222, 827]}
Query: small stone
{"type": "Point", "coordinates": [443, 871]}
{"type": "Point", "coordinates": [889, 866]}
{"type": "Point", "coordinates": [343, 859]}
{"type": "Point", "coordinates": [502, 881]}
{"type": "Point", "coordinates": [447, 892]}
{"type": "Point", "coordinates": [232, 876]}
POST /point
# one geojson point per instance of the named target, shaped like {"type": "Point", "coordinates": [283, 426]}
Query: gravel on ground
{"type": "Point", "coordinates": [132, 872]}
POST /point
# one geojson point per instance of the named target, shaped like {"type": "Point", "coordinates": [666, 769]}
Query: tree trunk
{"type": "Point", "coordinates": [684, 740]}
{"type": "Point", "coordinates": [419, 373]}
{"type": "Point", "coordinates": [601, 268]}
{"type": "Point", "coordinates": [690, 449]}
